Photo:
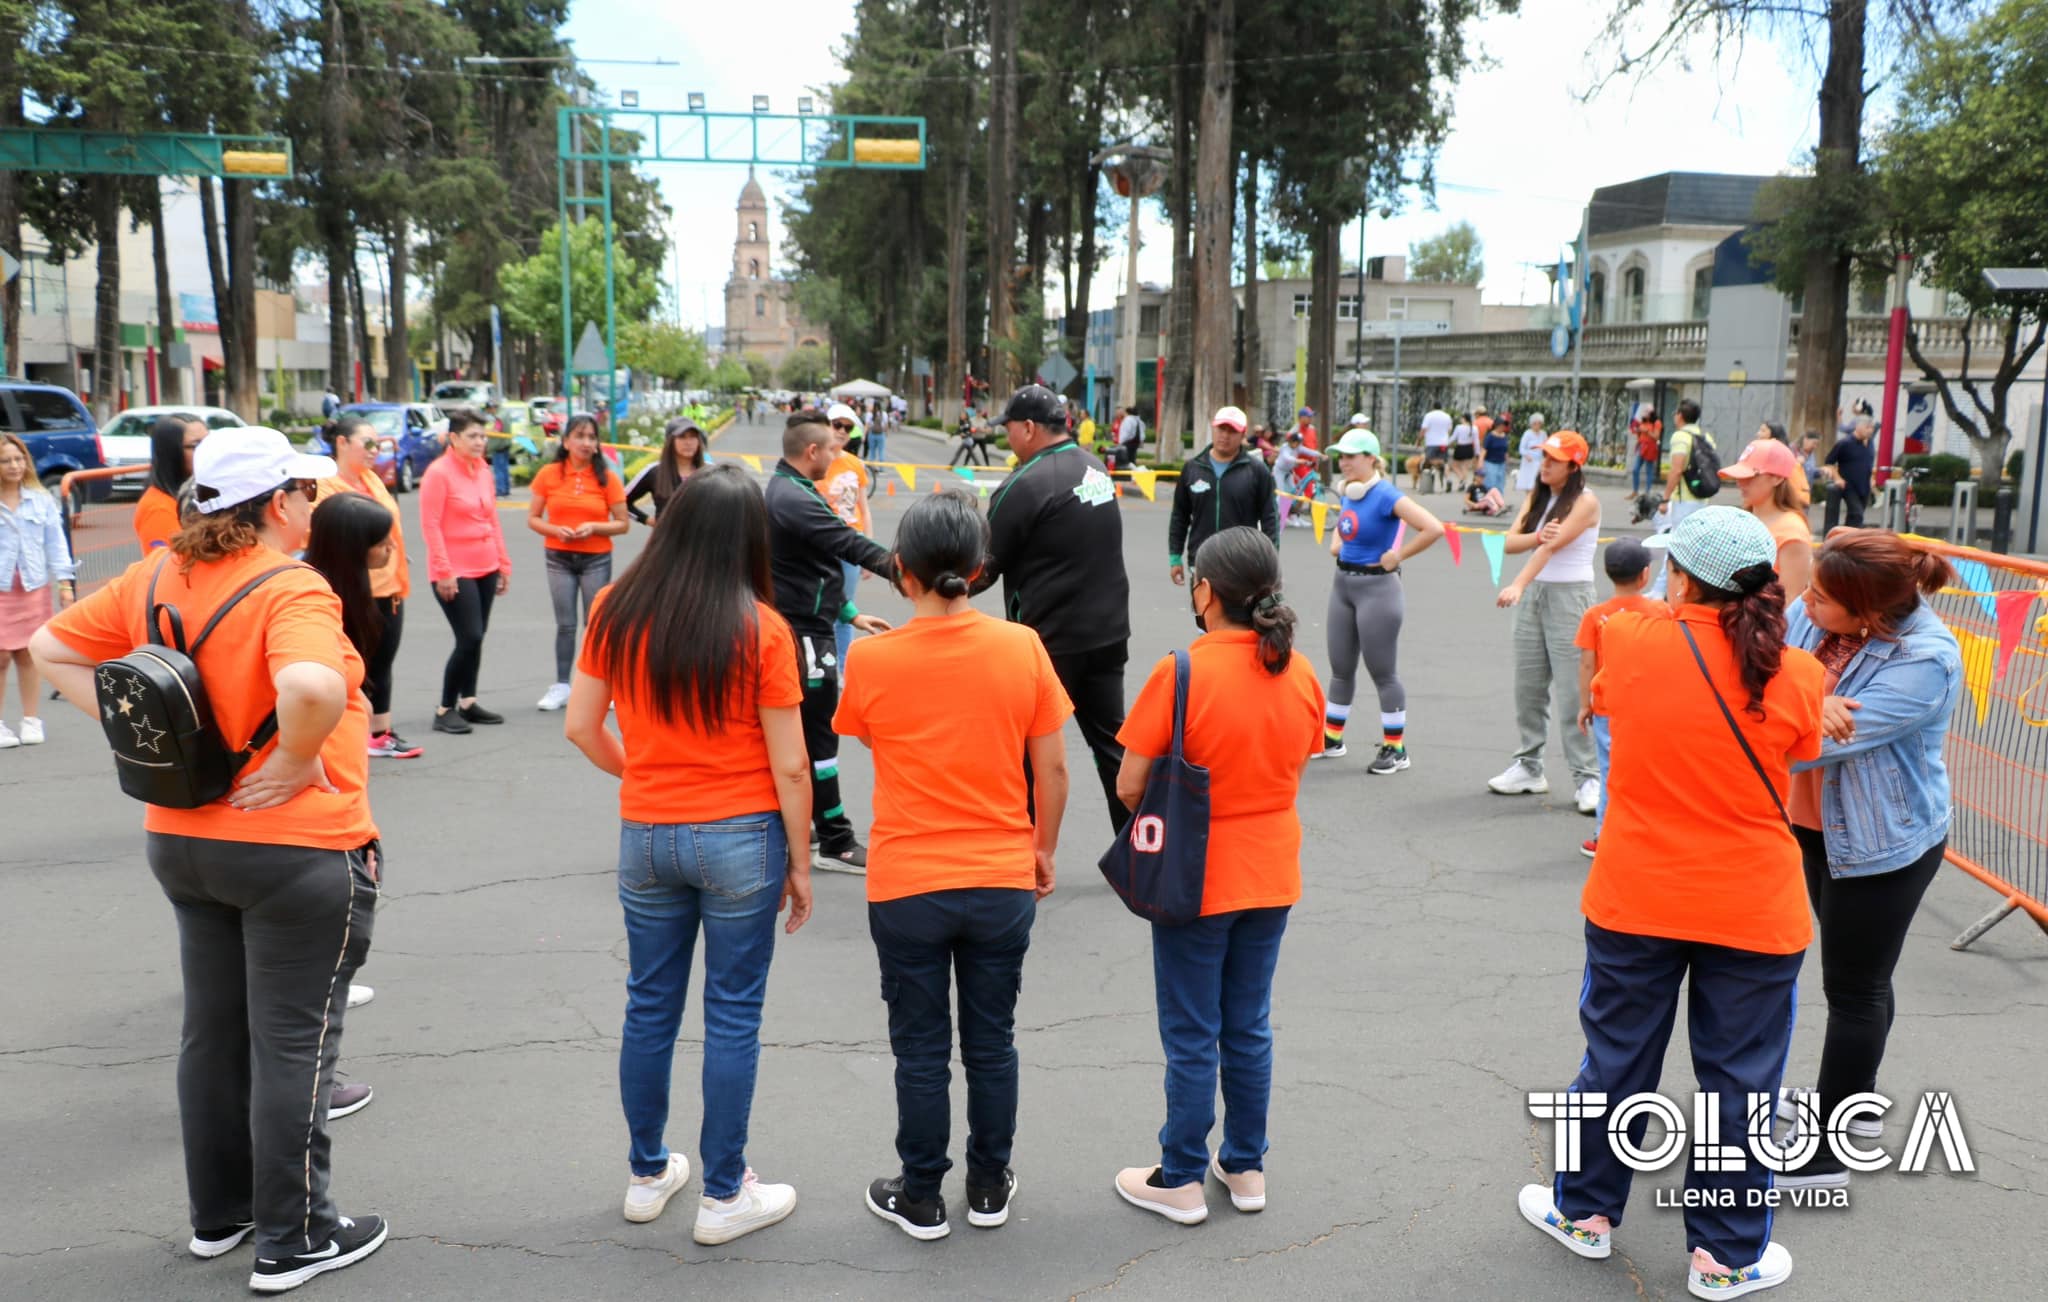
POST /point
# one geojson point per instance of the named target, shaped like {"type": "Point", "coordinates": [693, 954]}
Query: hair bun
{"type": "Point", "coordinates": [949, 585]}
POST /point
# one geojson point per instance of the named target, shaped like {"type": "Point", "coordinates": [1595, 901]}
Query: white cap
{"type": "Point", "coordinates": [1358, 420]}
{"type": "Point", "coordinates": [840, 411]}
{"type": "Point", "coordinates": [240, 464]}
{"type": "Point", "coordinates": [1231, 416]}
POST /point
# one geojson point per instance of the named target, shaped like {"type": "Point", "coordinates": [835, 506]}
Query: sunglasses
{"type": "Point", "coordinates": [306, 488]}
{"type": "Point", "coordinates": [842, 427]}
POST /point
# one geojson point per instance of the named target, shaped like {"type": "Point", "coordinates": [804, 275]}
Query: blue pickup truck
{"type": "Point", "coordinates": [58, 430]}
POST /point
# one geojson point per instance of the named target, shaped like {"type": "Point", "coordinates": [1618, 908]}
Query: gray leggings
{"type": "Point", "coordinates": [1365, 621]}
{"type": "Point", "coordinates": [572, 575]}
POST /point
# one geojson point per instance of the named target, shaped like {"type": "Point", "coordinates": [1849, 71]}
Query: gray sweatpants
{"type": "Point", "coordinates": [268, 937]}
{"type": "Point", "coordinates": [1364, 622]}
{"type": "Point", "coordinates": [1547, 674]}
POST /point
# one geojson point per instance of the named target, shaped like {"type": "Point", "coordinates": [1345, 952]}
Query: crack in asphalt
{"type": "Point", "coordinates": [1323, 1237]}
{"type": "Point", "coordinates": [682, 1260]}
{"type": "Point", "coordinates": [395, 897]}
{"type": "Point", "coordinates": [1125, 1269]}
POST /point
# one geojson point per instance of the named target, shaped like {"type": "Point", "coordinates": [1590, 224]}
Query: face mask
{"type": "Point", "coordinates": [1195, 608]}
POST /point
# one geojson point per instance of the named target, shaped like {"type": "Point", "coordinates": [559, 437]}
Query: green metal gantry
{"type": "Point", "coordinates": [586, 135]}
{"type": "Point", "coordinates": [144, 153]}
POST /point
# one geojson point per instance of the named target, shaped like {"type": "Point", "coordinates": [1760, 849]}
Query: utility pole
{"type": "Point", "coordinates": [1358, 337]}
{"type": "Point", "coordinates": [1136, 174]}
{"type": "Point", "coordinates": [1576, 307]}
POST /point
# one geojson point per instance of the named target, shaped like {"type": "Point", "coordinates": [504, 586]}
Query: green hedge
{"type": "Point", "coordinates": [1943, 470]}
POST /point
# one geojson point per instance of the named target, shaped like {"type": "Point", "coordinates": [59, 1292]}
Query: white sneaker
{"type": "Point", "coordinates": [32, 732]}
{"type": "Point", "coordinates": [1537, 1208]}
{"type": "Point", "coordinates": [557, 697]}
{"type": "Point", "coordinates": [1589, 797]}
{"type": "Point", "coordinates": [1771, 1270]}
{"type": "Point", "coordinates": [1519, 780]}
{"type": "Point", "coordinates": [648, 1194]}
{"type": "Point", "coordinates": [755, 1207]}
{"type": "Point", "coordinates": [1862, 1126]}
{"type": "Point", "coordinates": [8, 741]}
{"type": "Point", "coordinates": [360, 995]}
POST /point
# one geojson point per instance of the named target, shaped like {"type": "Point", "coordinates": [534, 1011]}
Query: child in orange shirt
{"type": "Point", "coordinates": [1628, 568]}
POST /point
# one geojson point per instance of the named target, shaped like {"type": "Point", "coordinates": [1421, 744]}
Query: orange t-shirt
{"type": "Point", "coordinates": [678, 773]}
{"type": "Point", "coordinates": [845, 490]}
{"type": "Point", "coordinates": [156, 519]}
{"type": "Point", "coordinates": [1588, 638]}
{"type": "Point", "coordinates": [294, 618]}
{"type": "Point", "coordinates": [1254, 732]}
{"type": "Point", "coordinates": [947, 704]}
{"type": "Point", "coordinates": [1692, 848]}
{"type": "Point", "coordinates": [391, 579]}
{"type": "Point", "coordinates": [573, 497]}
{"type": "Point", "coordinates": [1791, 528]}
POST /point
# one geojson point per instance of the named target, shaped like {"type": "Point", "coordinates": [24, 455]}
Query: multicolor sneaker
{"type": "Point", "coordinates": [389, 745]}
{"type": "Point", "coordinates": [1539, 1210]}
{"type": "Point", "coordinates": [1708, 1278]}
{"type": "Point", "coordinates": [1590, 847]}
{"type": "Point", "coordinates": [1391, 759]}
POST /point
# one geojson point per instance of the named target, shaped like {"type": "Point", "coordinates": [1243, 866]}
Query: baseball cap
{"type": "Point", "coordinates": [1231, 416]}
{"type": "Point", "coordinates": [1306, 411]}
{"type": "Point", "coordinates": [1356, 442]}
{"type": "Point", "coordinates": [1764, 457]}
{"type": "Point", "coordinates": [236, 465]}
{"type": "Point", "coordinates": [1626, 558]}
{"type": "Point", "coordinates": [1566, 445]}
{"type": "Point", "coordinates": [840, 411]}
{"type": "Point", "coordinates": [1034, 402]}
{"type": "Point", "coordinates": [1714, 544]}
{"type": "Point", "coordinates": [1359, 421]}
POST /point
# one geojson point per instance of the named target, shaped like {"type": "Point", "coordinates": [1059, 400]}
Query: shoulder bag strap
{"type": "Point", "coordinates": [268, 728]}
{"type": "Point", "coordinates": [151, 610]}
{"type": "Point", "coordinates": [1734, 727]}
{"type": "Point", "coordinates": [1182, 665]}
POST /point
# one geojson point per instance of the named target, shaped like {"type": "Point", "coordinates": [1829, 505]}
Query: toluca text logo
{"type": "Point", "coordinates": [1934, 1119]}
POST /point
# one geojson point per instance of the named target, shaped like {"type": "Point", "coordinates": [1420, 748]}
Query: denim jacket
{"type": "Point", "coordinates": [1885, 794]}
{"type": "Point", "coordinates": [32, 542]}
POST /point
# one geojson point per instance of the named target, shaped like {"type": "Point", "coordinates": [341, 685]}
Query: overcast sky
{"type": "Point", "coordinates": [1524, 151]}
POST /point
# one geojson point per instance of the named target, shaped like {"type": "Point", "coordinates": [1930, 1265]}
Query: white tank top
{"type": "Point", "coordinates": [1573, 563]}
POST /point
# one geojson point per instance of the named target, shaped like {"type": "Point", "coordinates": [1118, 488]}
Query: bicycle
{"type": "Point", "coordinates": [1909, 499]}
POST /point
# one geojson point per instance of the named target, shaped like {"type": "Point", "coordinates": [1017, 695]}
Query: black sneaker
{"type": "Point", "coordinates": [849, 858]}
{"type": "Point", "coordinates": [450, 721]}
{"type": "Point", "coordinates": [475, 713]}
{"type": "Point", "coordinates": [1821, 1171]}
{"type": "Point", "coordinates": [352, 1241]}
{"type": "Point", "coordinates": [920, 1220]}
{"type": "Point", "coordinates": [1391, 759]}
{"type": "Point", "coordinates": [207, 1244]}
{"type": "Point", "coordinates": [988, 1205]}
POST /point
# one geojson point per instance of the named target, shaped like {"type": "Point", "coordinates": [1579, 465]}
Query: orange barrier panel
{"type": "Point", "coordinates": [1998, 741]}
{"type": "Point", "coordinates": [102, 533]}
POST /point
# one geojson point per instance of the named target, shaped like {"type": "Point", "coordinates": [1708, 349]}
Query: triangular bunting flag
{"type": "Point", "coordinates": [1977, 581]}
{"type": "Point", "coordinates": [2012, 625]}
{"type": "Point", "coordinates": [753, 461]}
{"type": "Point", "coordinates": [964, 473]}
{"type": "Point", "coordinates": [1457, 547]}
{"type": "Point", "coordinates": [909, 475]}
{"type": "Point", "coordinates": [1496, 547]}
{"type": "Point", "coordinates": [1979, 652]}
{"type": "Point", "coordinates": [1146, 480]}
{"type": "Point", "coordinates": [1319, 513]}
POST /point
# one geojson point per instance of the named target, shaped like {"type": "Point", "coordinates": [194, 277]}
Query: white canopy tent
{"type": "Point", "coordinates": [860, 389]}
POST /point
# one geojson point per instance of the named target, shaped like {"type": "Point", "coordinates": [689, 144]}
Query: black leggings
{"type": "Point", "coordinates": [377, 668]}
{"type": "Point", "coordinates": [469, 615]}
{"type": "Point", "coordinates": [1863, 922]}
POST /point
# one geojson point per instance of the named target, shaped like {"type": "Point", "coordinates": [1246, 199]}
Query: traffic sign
{"type": "Point", "coordinates": [590, 354]}
{"type": "Point", "coordinates": [1405, 327]}
{"type": "Point", "coordinates": [1057, 372]}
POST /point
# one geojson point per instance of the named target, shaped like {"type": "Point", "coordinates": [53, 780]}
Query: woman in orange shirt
{"type": "Point", "coordinates": [714, 801]}
{"type": "Point", "coordinates": [961, 855]}
{"type": "Point", "coordinates": [579, 506]}
{"type": "Point", "coordinates": [1697, 881]}
{"type": "Point", "coordinates": [355, 453]}
{"type": "Point", "coordinates": [172, 440]}
{"type": "Point", "coordinates": [1254, 717]}
{"type": "Point", "coordinates": [274, 885]}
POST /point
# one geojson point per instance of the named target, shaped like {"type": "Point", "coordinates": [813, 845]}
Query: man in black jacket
{"type": "Point", "coordinates": [1056, 540]}
{"type": "Point", "coordinates": [807, 541]}
{"type": "Point", "coordinates": [1220, 487]}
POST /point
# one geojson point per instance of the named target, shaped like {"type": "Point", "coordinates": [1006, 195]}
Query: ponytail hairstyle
{"type": "Point", "coordinates": [941, 542]}
{"type": "Point", "coordinates": [1878, 578]}
{"type": "Point", "coordinates": [1242, 568]}
{"type": "Point", "coordinates": [1753, 618]}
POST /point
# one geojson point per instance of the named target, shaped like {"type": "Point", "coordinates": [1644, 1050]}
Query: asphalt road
{"type": "Point", "coordinates": [1428, 982]}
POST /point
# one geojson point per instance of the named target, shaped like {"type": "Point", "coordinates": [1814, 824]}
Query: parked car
{"type": "Point", "coordinates": [60, 433]}
{"type": "Point", "coordinates": [450, 395]}
{"type": "Point", "coordinates": [412, 434]}
{"type": "Point", "coordinates": [550, 413]}
{"type": "Point", "coordinates": [125, 440]}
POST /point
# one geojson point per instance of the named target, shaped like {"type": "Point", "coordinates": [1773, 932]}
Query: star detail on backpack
{"type": "Point", "coordinates": [125, 704]}
{"type": "Point", "coordinates": [107, 681]}
{"type": "Point", "coordinates": [146, 737]}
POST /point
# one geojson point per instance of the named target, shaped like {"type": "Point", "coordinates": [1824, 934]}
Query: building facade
{"type": "Point", "coordinates": [761, 315]}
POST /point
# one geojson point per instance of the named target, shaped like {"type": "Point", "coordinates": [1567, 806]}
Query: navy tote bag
{"type": "Point", "coordinates": [1157, 863]}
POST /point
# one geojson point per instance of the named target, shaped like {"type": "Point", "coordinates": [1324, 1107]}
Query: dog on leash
{"type": "Point", "coordinates": [1646, 506]}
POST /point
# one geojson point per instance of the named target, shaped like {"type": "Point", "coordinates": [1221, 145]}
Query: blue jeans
{"type": "Point", "coordinates": [1642, 473]}
{"type": "Point", "coordinates": [973, 939]}
{"type": "Point", "coordinates": [501, 470]}
{"type": "Point", "coordinates": [842, 634]}
{"type": "Point", "coordinates": [1603, 745]}
{"type": "Point", "coordinates": [876, 447]}
{"type": "Point", "coordinates": [1494, 474]}
{"type": "Point", "coordinates": [727, 876]}
{"type": "Point", "coordinates": [1214, 986]}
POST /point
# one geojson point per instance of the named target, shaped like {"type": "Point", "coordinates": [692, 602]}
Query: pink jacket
{"type": "Point", "coordinates": [459, 516]}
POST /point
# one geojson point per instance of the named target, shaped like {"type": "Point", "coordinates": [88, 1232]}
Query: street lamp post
{"type": "Point", "coordinates": [1138, 172]}
{"type": "Point", "coordinates": [2029, 282]}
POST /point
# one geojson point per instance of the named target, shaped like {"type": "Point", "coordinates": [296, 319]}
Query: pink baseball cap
{"type": "Point", "coordinates": [1763, 457]}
